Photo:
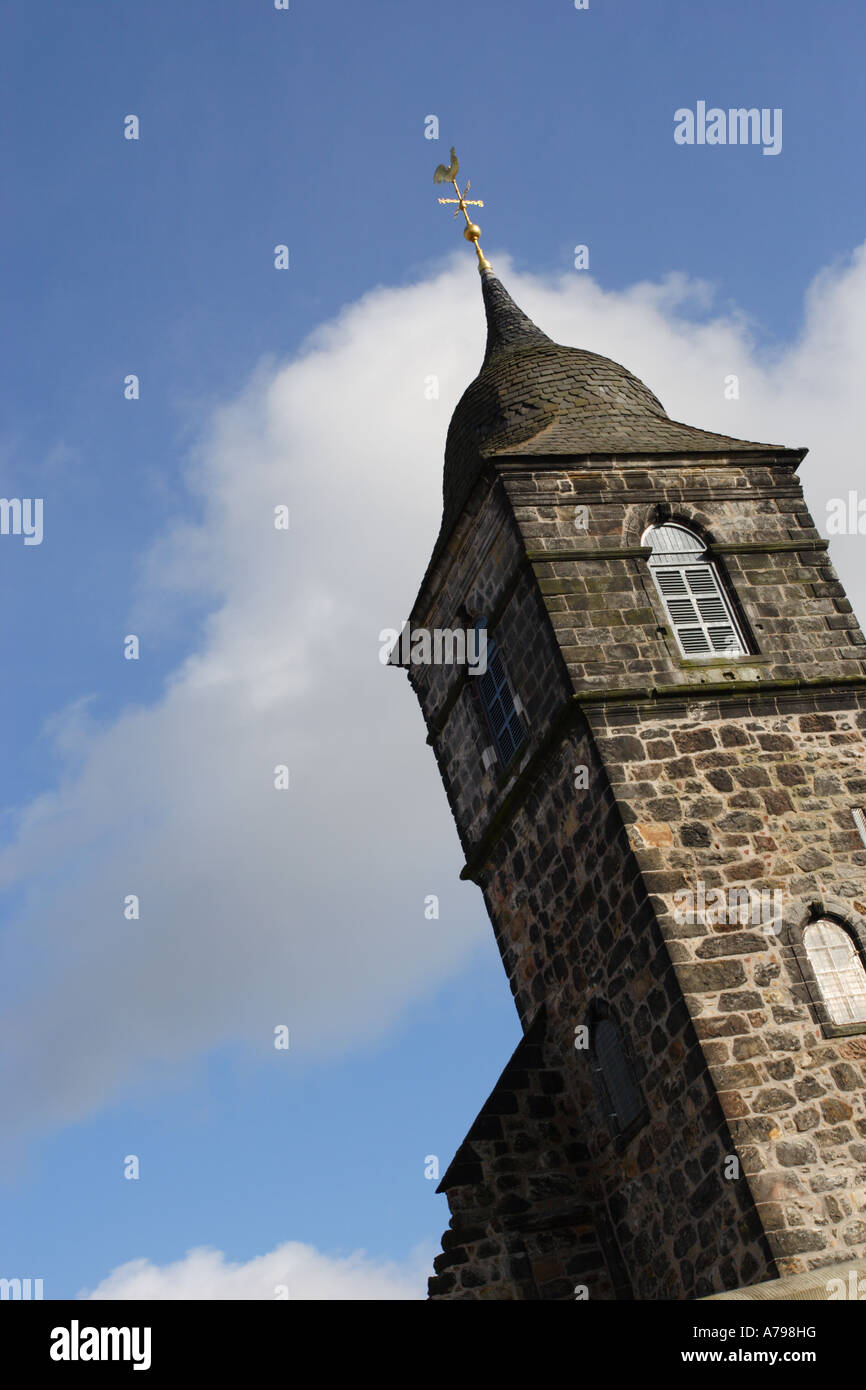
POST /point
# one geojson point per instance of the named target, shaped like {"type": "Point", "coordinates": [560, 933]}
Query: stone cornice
{"type": "Point", "coordinates": [765, 456]}
{"type": "Point", "coordinates": [642, 552]}
{"type": "Point", "coordinates": [689, 691]}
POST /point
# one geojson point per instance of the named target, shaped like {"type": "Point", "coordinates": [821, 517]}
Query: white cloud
{"type": "Point", "coordinates": [306, 908]}
{"type": "Point", "coordinates": [293, 1270]}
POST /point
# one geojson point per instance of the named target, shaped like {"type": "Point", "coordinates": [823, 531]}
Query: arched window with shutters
{"type": "Point", "coordinates": [625, 1104]}
{"type": "Point", "coordinates": [838, 969]}
{"type": "Point", "coordinates": [697, 606]}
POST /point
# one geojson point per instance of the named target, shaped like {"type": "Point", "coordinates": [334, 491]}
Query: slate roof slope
{"type": "Point", "coordinates": [536, 397]}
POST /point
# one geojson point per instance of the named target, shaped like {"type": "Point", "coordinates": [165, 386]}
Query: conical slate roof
{"type": "Point", "coordinates": [533, 396]}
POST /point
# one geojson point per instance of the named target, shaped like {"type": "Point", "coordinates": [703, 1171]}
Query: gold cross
{"type": "Point", "coordinates": [471, 231]}
{"type": "Point", "coordinates": [462, 201]}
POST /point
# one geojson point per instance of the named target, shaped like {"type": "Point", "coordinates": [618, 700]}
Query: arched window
{"type": "Point", "coordinates": [695, 602]}
{"type": "Point", "coordinates": [838, 969]}
{"type": "Point", "coordinates": [622, 1093]}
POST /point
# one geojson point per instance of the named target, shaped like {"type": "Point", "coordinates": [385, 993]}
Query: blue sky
{"type": "Point", "coordinates": [155, 256]}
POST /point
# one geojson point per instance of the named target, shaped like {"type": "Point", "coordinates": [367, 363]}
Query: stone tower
{"type": "Point", "coordinates": [658, 786]}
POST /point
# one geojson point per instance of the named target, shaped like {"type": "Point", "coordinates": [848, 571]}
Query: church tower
{"type": "Point", "coordinates": [659, 784]}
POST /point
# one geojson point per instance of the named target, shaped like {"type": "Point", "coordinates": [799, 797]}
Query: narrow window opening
{"type": "Point", "coordinates": [499, 703]}
{"type": "Point", "coordinates": [622, 1090]}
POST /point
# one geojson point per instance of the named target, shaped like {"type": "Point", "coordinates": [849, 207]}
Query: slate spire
{"type": "Point", "coordinates": [507, 325]}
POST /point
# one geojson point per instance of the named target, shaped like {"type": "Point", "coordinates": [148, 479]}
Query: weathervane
{"type": "Point", "coordinates": [472, 232]}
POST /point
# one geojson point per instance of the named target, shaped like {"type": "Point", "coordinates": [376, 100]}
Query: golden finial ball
{"type": "Point", "coordinates": [472, 232]}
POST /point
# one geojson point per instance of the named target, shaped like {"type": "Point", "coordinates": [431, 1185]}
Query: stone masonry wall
{"type": "Point", "coordinates": [524, 1214]}
{"type": "Point", "coordinates": [576, 929]}
{"type": "Point", "coordinates": [574, 926]}
{"type": "Point", "coordinates": [725, 794]}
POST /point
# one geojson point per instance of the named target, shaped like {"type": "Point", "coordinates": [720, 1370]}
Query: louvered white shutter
{"type": "Point", "coordinates": [699, 612]}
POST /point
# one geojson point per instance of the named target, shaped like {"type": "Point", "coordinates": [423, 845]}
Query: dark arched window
{"type": "Point", "coordinates": [625, 1102]}
{"type": "Point", "coordinates": [838, 969]}
{"type": "Point", "coordinates": [697, 606]}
